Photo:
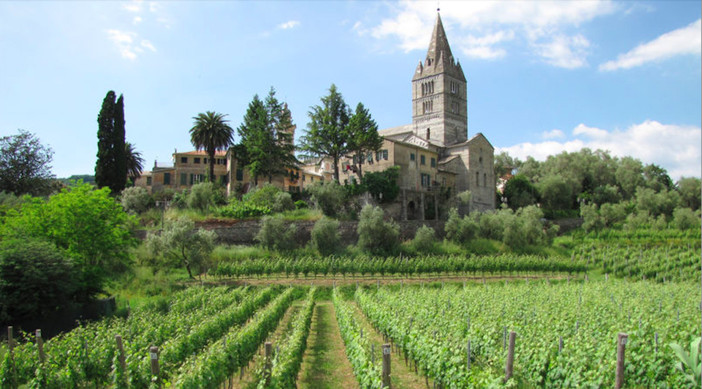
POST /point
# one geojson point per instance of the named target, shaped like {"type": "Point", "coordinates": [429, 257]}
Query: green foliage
{"type": "Point", "coordinates": [325, 237]}
{"type": "Point", "coordinates": [35, 280]}
{"type": "Point", "coordinates": [136, 200]}
{"type": "Point", "coordinates": [656, 203]}
{"type": "Point", "coordinates": [690, 192]}
{"type": "Point", "coordinates": [464, 197]}
{"type": "Point", "coordinates": [424, 240]}
{"type": "Point", "coordinates": [25, 164]}
{"type": "Point", "coordinates": [327, 133]}
{"type": "Point", "coordinates": [520, 192]}
{"type": "Point", "coordinates": [328, 196]}
{"type": "Point", "coordinates": [202, 196]}
{"type": "Point", "coordinates": [111, 165]}
{"type": "Point", "coordinates": [383, 185]}
{"type": "Point", "coordinates": [210, 132]}
{"type": "Point", "coordinates": [282, 202]}
{"type": "Point", "coordinates": [242, 210]}
{"type": "Point", "coordinates": [686, 218]}
{"type": "Point", "coordinates": [376, 235]}
{"type": "Point", "coordinates": [275, 235]}
{"type": "Point", "coordinates": [179, 244]}
{"type": "Point", "coordinates": [690, 364]}
{"type": "Point", "coordinates": [363, 136]}
{"type": "Point", "coordinates": [556, 193]}
{"type": "Point", "coordinates": [301, 204]}
{"type": "Point", "coordinates": [460, 229]}
{"type": "Point", "coordinates": [266, 135]}
{"type": "Point", "coordinates": [262, 196]}
{"type": "Point", "coordinates": [135, 162]}
{"type": "Point", "coordinates": [87, 224]}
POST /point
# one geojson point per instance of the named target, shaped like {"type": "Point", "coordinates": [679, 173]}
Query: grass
{"type": "Point", "coordinates": [146, 285]}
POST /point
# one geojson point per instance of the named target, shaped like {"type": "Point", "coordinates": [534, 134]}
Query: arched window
{"type": "Point", "coordinates": [484, 179]}
{"type": "Point", "coordinates": [477, 179]}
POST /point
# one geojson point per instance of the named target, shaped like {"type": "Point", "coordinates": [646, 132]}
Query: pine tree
{"type": "Point", "coordinates": [363, 136]}
{"type": "Point", "coordinates": [327, 132]}
{"type": "Point", "coordinates": [111, 165]}
{"type": "Point", "coordinates": [267, 136]}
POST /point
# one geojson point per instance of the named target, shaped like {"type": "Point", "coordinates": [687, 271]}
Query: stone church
{"type": "Point", "coordinates": [434, 153]}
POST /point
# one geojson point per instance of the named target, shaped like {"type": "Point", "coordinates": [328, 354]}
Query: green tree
{"type": "Point", "coordinates": [111, 166]}
{"type": "Point", "coordinates": [24, 164]}
{"type": "Point", "coordinates": [325, 236]}
{"type": "Point", "coordinates": [520, 192]}
{"type": "Point", "coordinates": [657, 178]}
{"type": "Point", "coordinates": [505, 164]}
{"type": "Point", "coordinates": [179, 244]}
{"type": "Point", "coordinates": [87, 224]}
{"type": "Point", "coordinates": [275, 234]}
{"type": "Point", "coordinates": [556, 193]}
{"type": "Point", "coordinates": [363, 136]}
{"type": "Point", "coordinates": [327, 132]}
{"type": "Point", "coordinates": [135, 162]}
{"type": "Point", "coordinates": [267, 138]}
{"type": "Point", "coordinates": [383, 185]}
{"type": "Point", "coordinates": [35, 279]}
{"type": "Point", "coordinates": [328, 196]}
{"type": "Point", "coordinates": [376, 235]}
{"type": "Point", "coordinates": [629, 176]}
{"type": "Point", "coordinates": [689, 189]}
{"type": "Point", "coordinates": [210, 132]}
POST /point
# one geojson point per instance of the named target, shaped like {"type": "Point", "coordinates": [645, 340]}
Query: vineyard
{"type": "Point", "coordinates": [453, 335]}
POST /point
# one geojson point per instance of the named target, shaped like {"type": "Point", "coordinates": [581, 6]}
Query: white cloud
{"type": "Point", "coordinates": [289, 24]}
{"type": "Point", "coordinates": [125, 41]}
{"type": "Point", "coordinates": [532, 20]}
{"type": "Point", "coordinates": [562, 51]}
{"type": "Point", "coordinates": [133, 6]}
{"type": "Point", "coordinates": [482, 47]}
{"type": "Point", "coordinates": [553, 134]}
{"type": "Point", "coordinates": [137, 20]}
{"type": "Point", "coordinates": [686, 40]}
{"type": "Point", "coordinates": [674, 147]}
{"type": "Point", "coordinates": [146, 44]}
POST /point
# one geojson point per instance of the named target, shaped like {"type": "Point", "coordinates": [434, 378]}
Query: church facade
{"type": "Point", "coordinates": [434, 153]}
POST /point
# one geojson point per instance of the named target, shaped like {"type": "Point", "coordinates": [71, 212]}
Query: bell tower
{"type": "Point", "coordinates": [439, 98]}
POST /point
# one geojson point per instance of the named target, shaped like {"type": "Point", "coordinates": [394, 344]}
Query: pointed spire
{"type": "Point", "coordinates": [438, 46]}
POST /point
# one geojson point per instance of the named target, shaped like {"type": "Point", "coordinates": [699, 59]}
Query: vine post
{"type": "Point", "coordinates": [509, 366]}
{"type": "Point", "coordinates": [120, 350]}
{"type": "Point", "coordinates": [386, 365]}
{"type": "Point", "coordinates": [269, 362]}
{"type": "Point", "coordinates": [40, 346]}
{"type": "Point", "coordinates": [153, 355]}
{"type": "Point", "coordinates": [621, 347]}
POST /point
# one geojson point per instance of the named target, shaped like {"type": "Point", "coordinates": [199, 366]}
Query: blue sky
{"type": "Point", "coordinates": [543, 77]}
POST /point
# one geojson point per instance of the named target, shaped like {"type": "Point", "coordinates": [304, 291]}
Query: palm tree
{"type": "Point", "coordinates": [211, 132]}
{"type": "Point", "coordinates": [135, 163]}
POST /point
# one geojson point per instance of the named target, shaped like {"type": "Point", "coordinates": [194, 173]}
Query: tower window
{"type": "Point", "coordinates": [454, 107]}
{"type": "Point", "coordinates": [477, 179]}
{"type": "Point", "coordinates": [484, 179]}
{"type": "Point", "coordinates": [428, 134]}
{"type": "Point", "coordinates": [454, 87]}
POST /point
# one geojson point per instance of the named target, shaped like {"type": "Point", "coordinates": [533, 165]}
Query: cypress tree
{"type": "Point", "coordinates": [111, 165]}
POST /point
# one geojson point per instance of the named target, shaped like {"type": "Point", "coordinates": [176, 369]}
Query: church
{"type": "Point", "coordinates": [434, 153]}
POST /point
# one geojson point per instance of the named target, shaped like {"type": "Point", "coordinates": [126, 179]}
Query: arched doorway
{"type": "Point", "coordinates": [411, 211]}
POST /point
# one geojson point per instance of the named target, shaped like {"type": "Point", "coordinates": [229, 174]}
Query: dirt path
{"type": "Point", "coordinates": [248, 379]}
{"type": "Point", "coordinates": [401, 375]}
{"type": "Point", "coordinates": [324, 364]}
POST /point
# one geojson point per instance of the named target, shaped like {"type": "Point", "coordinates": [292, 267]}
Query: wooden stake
{"type": "Point", "coordinates": [153, 355]}
{"type": "Point", "coordinates": [120, 357]}
{"type": "Point", "coordinates": [386, 366]}
{"type": "Point", "coordinates": [509, 367]}
{"type": "Point", "coordinates": [468, 355]}
{"type": "Point", "coordinates": [269, 363]}
{"type": "Point", "coordinates": [40, 346]}
{"type": "Point", "coordinates": [621, 348]}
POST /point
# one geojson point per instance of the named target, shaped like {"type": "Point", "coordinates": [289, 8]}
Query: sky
{"type": "Point", "coordinates": [542, 77]}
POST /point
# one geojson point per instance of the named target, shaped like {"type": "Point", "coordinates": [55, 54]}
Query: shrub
{"type": "Point", "coordinates": [328, 196]}
{"type": "Point", "coordinates": [180, 199]}
{"type": "Point", "coordinates": [460, 230]}
{"type": "Point", "coordinates": [325, 236]}
{"type": "Point", "coordinates": [424, 239]}
{"type": "Point", "coordinates": [202, 196]}
{"type": "Point", "coordinates": [685, 218]}
{"type": "Point", "coordinates": [262, 196]}
{"type": "Point", "coordinates": [301, 204]}
{"type": "Point", "coordinates": [376, 235]}
{"type": "Point", "coordinates": [136, 200]}
{"type": "Point", "coordinates": [35, 279]}
{"type": "Point", "coordinates": [180, 245]}
{"type": "Point", "coordinates": [241, 210]}
{"type": "Point", "coordinates": [490, 226]}
{"type": "Point", "coordinates": [382, 185]}
{"type": "Point", "coordinates": [282, 201]}
{"type": "Point", "coordinates": [275, 235]}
